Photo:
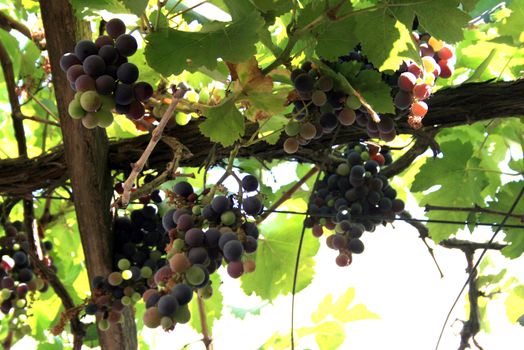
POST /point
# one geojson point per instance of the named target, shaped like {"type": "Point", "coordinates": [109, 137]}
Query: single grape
{"type": "Point", "coordinates": [421, 91]}
{"type": "Point", "coordinates": [126, 45]}
{"type": "Point", "coordinates": [182, 315]}
{"type": "Point", "coordinates": [115, 278]}
{"type": "Point", "coordinates": [179, 263]}
{"type": "Point", "coordinates": [233, 250]}
{"type": "Point", "coordinates": [167, 305]}
{"type": "Point", "coordinates": [308, 131]}
{"type": "Point", "coordinates": [292, 128]}
{"type": "Point", "coordinates": [127, 73]}
{"type": "Point", "coordinates": [403, 100]}
{"type": "Point", "coordinates": [143, 91]}
{"type": "Point", "coordinates": [343, 260]}
{"type": "Point", "coordinates": [228, 218]}
{"type": "Point", "coordinates": [328, 121]}
{"type": "Point", "coordinates": [414, 69]}
{"type": "Point", "coordinates": [446, 70]}
{"type": "Point", "coordinates": [252, 206]}
{"type": "Point", "coordinates": [304, 83]}
{"type": "Point", "coordinates": [406, 81]}
{"type": "Point", "coordinates": [84, 83]}
{"type": "Point", "coordinates": [249, 183]}
{"type": "Point", "coordinates": [353, 102]}
{"type": "Point", "coordinates": [291, 145]}
{"type": "Point", "coordinates": [419, 108]}
{"type": "Point", "coordinates": [324, 83]}
{"type": "Point", "coordinates": [436, 44]}
{"type": "Point", "coordinates": [445, 53]}
{"type": "Point", "coordinates": [386, 124]}
{"type": "Point", "coordinates": [226, 237]}
{"type": "Point", "coordinates": [75, 110]}
{"type": "Point", "coordinates": [105, 84]}
{"type": "Point", "coordinates": [426, 50]}
{"type": "Point", "coordinates": [94, 65]}
{"type": "Point", "coordinates": [319, 98]}
{"type": "Point", "coordinates": [295, 73]}
{"type": "Point", "coordinates": [152, 317]}
{"type": "Point", "coordinates": [249, 266]}
{"type": "Point", "coordinates": [251, 229]}
{"type": "Point", "coordinates": [346, 116]}
{"type": "Point", "coordinates": [74, 71]}
{"type": "Point", "coordinates": [104, 118]}
{"type": "Point", "coordinates": [136, 110]}
{"type": "Point", "coordinates": [104, 40]}
{"type": "Point", "coordinates": [235, 269]}
{"type": "Point", "coordinates": [220, 204]}
{"type": "Point", "coordinates": [183, 293]}
{"type": "Point", "coordinates": [109, 54]}
{"type": "Point", "coordinates": [183, 189]}
{"type": "Point", "coordinates": [194, 237]}
{"type": "Point", "coordinates": [195, 275]}
{"type": "Point", "coordinates": [388, 137]}
{"type": "Point", "coordinates": [84, 49]}
{"type": "Point", "coordinates": [356, 246]}
{"type": "Point", "coordinates": [124, 94]}
{"type": "Point", "coordinates": [90, 101]}
{"type": "Point", "coordinates": [68, 60]}
{"type": "Point", "coordinates": [115, 27]}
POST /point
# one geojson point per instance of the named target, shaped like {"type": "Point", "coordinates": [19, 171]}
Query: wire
{"type": "Point", "coordinates": [478, 263]}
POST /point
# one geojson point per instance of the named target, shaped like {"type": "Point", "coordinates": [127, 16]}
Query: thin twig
{"type": "Point", "coordinates": [155, 137]}
{"type": "Point", "coordinates": [207, 340]}
{"type": "Point", "coordinates": [9, 23]}
{"type": "Point", "coordinates": [40, 120]}
{"type": "Point", "coordinates": [42, 105]}
{"type": "Point", "coordinates": [475, 209]}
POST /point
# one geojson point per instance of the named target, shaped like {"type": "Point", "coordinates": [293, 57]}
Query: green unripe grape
{"type": "Point", "coordinates": [125, 300]}
{"type": "Point", "coordinates": [146, 272]}
{"type": "Point", "coordinates": [322, 221]}
{"type": "Point", "coordinates": [353, 102]}
{"type": "Point", "coordinates": [331, 202]}
{"type": "Point", "coordinates": [364, 155]}
{"type": "Point", "coordinates": [182, 314]}
{"type": "Point", "coordinates": [196, 210]}
{"type": "Point", "coordinates": [155, 255]}
{"type": "Point", "coordinates": [90, 101]}
{"type": "Point", "coordinates": [206, 292]}
{"type": "Point", "coordinates": [103, 325]}
{"type": "Point", "coordinates": [123, 264]}
{"type": "Point", "coordinates": [90, 121]}
{"type": "Point", "coordinates": [338, 228]}
{"type": "Point", "coordinates": [178, 245]}
{"type": "Point", "coordinates": [6, 294]}
{"type": "Point", "coordinates": [195, 275]}
{"type": "Point", "coordinates": [343, 169]}
{"type": "Point", "coordinates": [114, 278]}
{"type": "Point", "coordinates": [127, 275]}
{"type": "Point", "coordinates": [182, 118]}
{"type": "Point", "coordinates": [75, 110]}
{"type": "Point", "coordinates": [358, 148]}
{"type": "Point", "coordinates": [228, 218]}
{"type": "Point", "coordinates": [368, 174]}
{"type": "Point", "coordinates": [292, 128]}
{"type": "Point", "coordinates": [136, 297]}
{"type": "Point", "coordinates": [25, 329]}
{"type": "Point", "coordinates": [78, 94]}
{"type": "Point", "coordinates": [105, 117]}
{"type": "Point", "coordinates": [20, 303]}
{"type": "Point", "coordinates": [108, 102]}
{"type": "Point", "coordinates": [166, 323]}
{"type": "Point", "coordinates": [16, 246]}
{"type": "Point", "coordinates": [39, 284]}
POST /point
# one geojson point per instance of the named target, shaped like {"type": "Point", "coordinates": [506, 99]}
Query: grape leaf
{"type": "Point", "coordinates": [513, 24]}
{"type": "Point", "coordinates": [515, 304]}
{"type": "Point", "coordinates": [136, 7]}
{"type": "Point", "coordinates": [88, 7]}
{"type": "Point", "coordinates": [273, 7]}
{"type": "Point", "coordinates": [442, 19]}
{"type": "Point", "coordinates": [275, 258]}
{"type": "Point", "coordinates": [170, 51]}
{"type": "Point", "coordinates": [377, 93]}
{"type": "Point", "coordinates": [224, 123]}
{"type": "Point", "coordinates": [213, 306]}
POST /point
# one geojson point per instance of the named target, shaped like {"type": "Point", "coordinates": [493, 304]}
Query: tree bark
{"type": "Point", "coordinates": [85, 153]}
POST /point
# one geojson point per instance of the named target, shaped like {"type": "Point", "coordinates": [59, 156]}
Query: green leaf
{"type": "Point", "coordinates": [88, 7]}
{"type": "Point", "coordinates": [377, 93]}
{"type": "Point", "coordinates": [273, 7]}
{"type": "Point", "coordinates": [515, 304]}
{"type": "Point", "coordinates": [11, 46]}
{"type": "Point", "coordinates": [328, 335]}
{"type": "Point", "coordinates": [241, 313]}
{"type": "Point", "coordinates": [213, 306]}
{"type": "Point", "coordinates": [136, 7]}
{"type": "Point", "coordinates": [271, 127]}
{"type": "Point", "coordinates": [442, 19]}
{"type": "Point", "coordinates": [513, 24]}
{"type": "Point", "coordinates": [170, 51]}
{"type": "Point", "coordinates": [223, 124]}
{"type": "Point", "coordinates": [275, 258]}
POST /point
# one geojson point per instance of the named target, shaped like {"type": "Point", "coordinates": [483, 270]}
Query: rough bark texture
{"type": "Point", "coordinates": [85, 153]}
{"type": "Point", "coordinates": [450, 107]}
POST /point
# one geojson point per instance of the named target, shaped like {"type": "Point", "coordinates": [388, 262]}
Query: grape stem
{"type": "Point", "coordinates": [155, 137]}
{"type": "Point", "coordinates": [474, 209]}
{"type": "Point", "coordinates": [207, 340]}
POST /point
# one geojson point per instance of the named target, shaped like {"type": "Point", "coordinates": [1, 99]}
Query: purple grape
{"type": "Point", "coordinates": [126, 45]}
{"type": "Point", "coordinates": [127, 73]}
{"type": "Point", "coordinates": [143, 91]}
{"type": "Point", "coordinates": [105, 84]}
{"type": "Point", "coordinates": [68, 60]}
{"type": "Point", "coordinates": [84, 49]}
{"type": "Point", "coordinates": [109, 54]}
{"type": "Point", "coordinates": [115, 27]}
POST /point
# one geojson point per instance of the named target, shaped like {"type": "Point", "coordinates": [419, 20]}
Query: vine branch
{"type": "Point", "coordinates": [207, 340]}
{"type": "Point", "coordinates": [474, 209]}
{"type": "Point", "coordinates": [8, 23]}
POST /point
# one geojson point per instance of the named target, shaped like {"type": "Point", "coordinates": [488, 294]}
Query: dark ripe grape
{"type": "Point", "coordinates": [235, 269]}
{"type": "Point", "coordinates": [356, 209]}
{"type": "Point", "coordinates": [25, 275]}
{"type": "Point", "coordinates": [304, 83]}
{"type": "Point", "coordinates": [419, 108]}
{"type": "Point", "coordinates": [122, 109]}
{"type": "Point", "coordinates": [362, 119]}
{"type": "Point", "coordinates": [373, 197]}
{"type": "Point", "coordinates": [384, 204]}
{"type": "Point", "coordinates": [84, 49]}
{"type": "Point", "coordinates": [126, 45]}
{"type": "Point", "coordinates": [319, 98]}
{"type": "Point", "coordinates": [371, 166]}
{"type": "Point", "coordinates": [104, 40]}
{"type": "Point", "coordinates": [68, 60]}
{"type": "Point", "coordinates": [127, 73]}
{"type": "Point", "coordinates": [397, 205]}
{"type": "Point", "coordinates": [354, 158]}
{"type": "Point", "coordinates": [291, 145]}
{"type": "Point", "coordinates": [156, 196]}
{"type": "Point", "coordinates": [295, 73]}
{"type": "Point", "coordinates": [406, 81]}
{"type": "Point", "coordinates": [220, 204]}
{"type": "Point", "coordinates": [426, 50]}
{"type": "Point", "coordinates": [249, 183]}
{"type": "Point", "coordinates": [421, 91]}
{"type": "Point", "coordinates": [386, 124]}
{"type": "Point", "coordinates": [120, 60]}
{"type": "Point", "coordinates": [371, 126]}
{"type": "Point", "coordinates": [317, 230]}
{"type": "Point", "coordinates": [403, 100]}
{"type": "Point", "coordinates": [389, 192]}
{"type": "Point", "coordinates": [167, 220]}
{"type": "Point", "coordinates": [167, 305]}
{"type": "Point", "coordinates": [324, 83]}
{"type": "Point", "coordinates": [252, 206]}
{"type": "Point", "coordinates": [250, 245]}
{"type": "Point", "coordinates": [356, 230]}
{"type": "Point", "coordinates": [306, 66]}
{"type": "Point", "coordinates": [373, 134]}
{"type": "Point", "coordinates": [143, 91]}
{"type": "Point", "coordinates": [343, 260]}
{"type": "Point", "coordinates": [357, 171]}
{"type": "Point", "coordinates": [111, 70]}
{"type": "Point", "coordinates": [91, 309]}
{"type": "Point", "coordinates": [183, 293]}
{"type": "Point", "coordinates": [194, 237]}
{"type": "Point", "coordinates": [74, 72]}
{"type": "Point", "coordinates": [251, 229]}
{"type": "Point", "coordinates": [233, 250]}
{"type": "Point", "coordinates": [308, 131]}
{"type": "Point", "coordinates": [152, 317]}
{"type": "Point", "coordinates": [375, 184]}
{"type": "Point", "coordinates": [8, 283]}
{"type": "Point", "coordinates": [20, 259]}
{"type": "Point", "coordinates": [109, 54]}
{"type": "Point", "coordinates": [211, 237]}
{"type": "Point", "coordinates": [48, 245]}
{"type": "Point", "coordinates": [388, 137]}
{"type": "Point", "coordinates": [115, 27]}
{"type": "Point", "coordinates": [446, 70]}
{"type": "Point", "coordinates": [339, 241]}
{"type": "Point", "coordinates": [183, 189]}
{"type": "Point", "coordinates": [387, 159]}
{"type": "Point", "coordinates": [98, 282]}
{"type": "Point", "coordinates": [226, 237]}
{"type": "Point", "coordinates": [6, 306]}
{"type": "Point", "coordinates": [355, 245]}
{"type": "Point", "coordinates": [185, 222]}
{"type": "Point", "coordinates": [151, 297]}
{"type": "Point", "coordinates": [346, 116]}
{"type": "Point", "coordinates": [94, 65]}
{"type": "Point", "coordinates": [105, 84]}
{"type": "Point", "coordinates": [341, 202]}
{"type": "Point", "coordinates": [328, 121]}
{"type": "Point", "coordinates": [136, 110]}
{"type": "Point", "coordinates": [209, 214]}
{"type": "Point", "coordinates": [305, 96]}
{"type": "Point", "coordinates": [124, 94]}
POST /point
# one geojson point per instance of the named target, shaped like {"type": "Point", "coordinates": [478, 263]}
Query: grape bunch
{"type": "Point", "coordinates": [415, 82]}
{"type": "Point", "coordinates": [205, 231]}
{"type": "Point", "coordinates": [19, 281]}
{"type": "Point", "coordinates": [139, 243]}
{"type": "Point", "coordinates": [103, 78]}
{"type": "Point", "coordinates": [319, 107]}
{"type": "Point", "coordinates": [351, 198]}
